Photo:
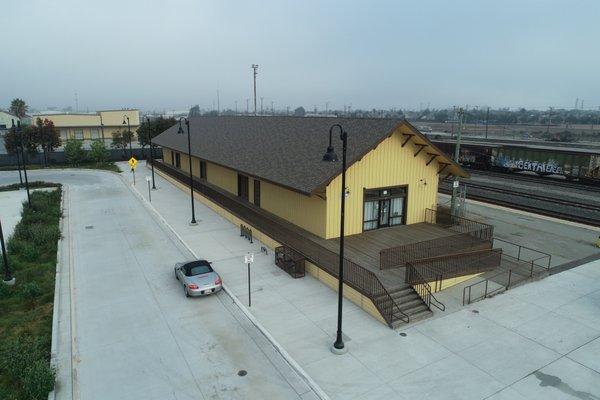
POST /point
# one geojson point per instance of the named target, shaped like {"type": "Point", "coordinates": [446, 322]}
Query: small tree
{"type": "Point", "coordinates": [19, 108]}
{"type": "Point", "coordinates": [26, 137]}
{"type": "Point", "coordinates": [98, 152]}
{"type": "Point", "coordinates": [300, 112]}
{"type": "Point", "coordinates": [153, 128]}
{"type": "Point", "coordinates": [47, 136]}
{"type": "Point", "coordinates": [74, 152]}
{"type": "Point", "coordinates": [120, 140]}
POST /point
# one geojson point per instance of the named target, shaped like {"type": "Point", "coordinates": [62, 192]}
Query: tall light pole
{"type": "Point", "coordinates": [20, 133]}
{"type": "Point", "coordinates": [180, 131]}
{"type": "Point", "coordinates": [125, 117]}
{"type": "Point", "coordinates": [14, 128]}
{"type": "Point", "coordinates": [8, 278]}
{"type": "Point", "coordinates": [261, 105]}
{"type": "Point", "coordinates": [255, 67]}
{"type": "Point", "coordinates": [456, 182]}
{"type": "Point", "coordinates": [151, 152]}
{"type": "Point", "coordinates": [330, 156]}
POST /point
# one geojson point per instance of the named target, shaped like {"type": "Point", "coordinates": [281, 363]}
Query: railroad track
{"type": "Point", "coordinates": [585, 213]}
{"type": "Point", "coordinates": [537, 179]}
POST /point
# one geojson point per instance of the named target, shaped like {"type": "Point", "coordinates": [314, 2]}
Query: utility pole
{"type": "Point", "coordinates": [549, 120]}
{"type": "Point", "coordinates": [487, 118]}
{"type": "Point", "coordinates": [326, 107]}
{"type": "Point", "coordinates": [261, 105]}
{"type": "Point", "coordinates": [236, 107]}
{"type": "Point", "coordinates": [247, 109]}
{"type": "Point", "coordinates": [576, 103]}
{"type": "Point", "coordinates": [272, 109]}
{"type": "Point", "coordinates": [456, 182]}
{"type": "Point", "coordinates": [287, 110]}
{"type": "Point", "coordinates": [76, 103]}
{"type": "Point", "coordinates": [255, 67]}
{"type": "Point", "coordinates": [218, 103]}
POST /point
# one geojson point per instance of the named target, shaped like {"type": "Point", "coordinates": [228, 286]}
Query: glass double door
{"type": "Point", "coordinates": [384, 212]}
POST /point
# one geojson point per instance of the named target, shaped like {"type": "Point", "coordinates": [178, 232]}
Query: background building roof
{"type": "Point", "coordinates": [284, 150]}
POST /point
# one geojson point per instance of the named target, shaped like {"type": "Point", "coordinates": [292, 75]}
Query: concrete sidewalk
{"type": "Point", "coordinates": [11, 205]}
{"type": "Point", "coordinates": [537, 341]}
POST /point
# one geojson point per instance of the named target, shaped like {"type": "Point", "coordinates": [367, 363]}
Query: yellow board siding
{"type": "Point", "coordinates": [167, 159]}
{"type": "Point", "coordinates": [389, 164]}
{"type": "Point", "coordinates": [222, 177]}
{"type": "Point", "coordinates": [303, 211]}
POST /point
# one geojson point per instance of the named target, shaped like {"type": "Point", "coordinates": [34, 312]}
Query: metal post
{"type": "Point", "coordinates": [486, 288]}
{"type": "Point", "coordinates": [187, 123]}
{"type": "Point", "coordinates": [8, 278]}
{"type": "Point", "coordinates": [509, 276]}
{"type": "Point", "coordinates": [519, 253]}
{"type": "Point", "coordinates": [255, 67]}
{"type": "Point", "coordinates": [249, 292]}
{"type": "Point", "coordinates": [129, 133]}
{"type": "Point", "coordinates": [151, 153]}
{"type": "Point", "coordinates": [133, 172]}
{"type": "Point", "coordinates": [487, 117]}
{"type": "Point", "coordinates": [339, 342]}
{"type": "Point", "coordinates": [149, 190]}
{"type": "Point", "coordinates": [456, 183]}
{"type": "Point", "coordinates": [24, 163]}
{"type": "Point", "coordinates": [18, 160]}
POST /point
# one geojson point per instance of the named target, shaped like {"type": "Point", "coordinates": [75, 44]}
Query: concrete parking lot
{"type": "Point", "coordinates": [132, 332]}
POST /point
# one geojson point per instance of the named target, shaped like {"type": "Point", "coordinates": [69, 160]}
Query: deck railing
{"type": "Point", "coordinates": [523, 253]}
{"type": "Point", "coordinates": [355, 276]}
{"type": "Point", "coordinates": [471, 235]}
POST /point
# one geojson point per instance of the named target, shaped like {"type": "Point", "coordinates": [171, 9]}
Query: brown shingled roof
{"type": "Point", "coordinates": [284, 150]}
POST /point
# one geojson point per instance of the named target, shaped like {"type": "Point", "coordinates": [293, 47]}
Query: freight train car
{"type": "Point", "coordinates": [571, 162]}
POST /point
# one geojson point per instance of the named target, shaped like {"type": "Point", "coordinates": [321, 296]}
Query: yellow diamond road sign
{"type": "Point", "coordinates": [132, 162]}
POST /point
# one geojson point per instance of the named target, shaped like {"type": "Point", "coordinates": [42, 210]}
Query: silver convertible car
{"type": "Point", "coordinates": [198, 278]}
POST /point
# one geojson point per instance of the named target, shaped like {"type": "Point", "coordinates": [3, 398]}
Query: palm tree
{"type": "Point", "coordinates": [18, 107]}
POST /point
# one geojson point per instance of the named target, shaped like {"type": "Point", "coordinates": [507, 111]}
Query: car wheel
{"type": "Point", "coordinates": [187, 294]}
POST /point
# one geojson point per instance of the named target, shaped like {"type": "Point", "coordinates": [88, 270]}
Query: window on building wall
{"type": "Point", "coordinates": [384, 207]}
{"type": "Point", "coordinates": [257, 192]}
{"type": "Point", "coordinates": [178, 160]}
{"type": "Point", "coordinates": [172, 157]}
{"type": "Point", "coordinates": [202, 169]}
{"type": "Point", "coordinates": [64, 134]}
{"type": "Point", "coordinates": [94, 133]}
{"type": "Point", "coordinates": [243, 191]}
{"type": "Point", "coordinates": [79, 134]}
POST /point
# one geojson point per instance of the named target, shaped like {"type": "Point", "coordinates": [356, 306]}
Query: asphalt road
{"type": "Point", "coordinates": [133, 334]}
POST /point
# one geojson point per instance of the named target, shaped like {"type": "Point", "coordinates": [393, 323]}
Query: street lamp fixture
{"type": "Point", "coordinates": [151, 153]}
{"type": "Point", "coordinates": [330, 156]}
{"type": "Point", "coordinates": [180, 132]}
{"type": "Point", "coordinates": [126, 121]}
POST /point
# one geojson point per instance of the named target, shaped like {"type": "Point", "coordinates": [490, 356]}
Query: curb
{"type": "Point", "coordinates": [56, 303]}
{"type": "Point", "coordinates": [286, 356]}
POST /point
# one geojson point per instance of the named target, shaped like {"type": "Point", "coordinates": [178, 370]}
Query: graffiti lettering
{"type": "Point", "coordinates": [549, 167]}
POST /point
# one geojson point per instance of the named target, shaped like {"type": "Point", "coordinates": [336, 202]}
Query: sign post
{"type": "Point", "coordinates": [249, 259]}
{"type": "Point", "coordinates": [148, 179]}
{"type": "Point", "coordinates": [133, 164]}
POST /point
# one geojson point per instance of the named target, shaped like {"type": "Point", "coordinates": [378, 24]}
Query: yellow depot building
{"type": "Point", "coordinates": [99, 125]}
{"type": "Point", "coordinates": [268, 174]}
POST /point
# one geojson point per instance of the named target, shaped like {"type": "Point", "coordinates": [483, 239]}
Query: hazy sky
{"type": "Point", "coordinates": [173, 54]}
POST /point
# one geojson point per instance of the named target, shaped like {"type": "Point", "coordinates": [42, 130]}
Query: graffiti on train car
{"type": "Point", "coordinates": [547, 167]}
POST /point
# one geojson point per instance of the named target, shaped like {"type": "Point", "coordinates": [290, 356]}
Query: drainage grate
{"type": "Point", "coordinates": [403, 334]}
{"type": "Point", "coordinates": [89, 227]}
{"type": "Point", "coordinates": [242, 372]}
{"type": "Point", "coordinates": [475, 311]}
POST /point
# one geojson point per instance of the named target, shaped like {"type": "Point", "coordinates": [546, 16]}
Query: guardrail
{"type": "Point", "coordinates": [290, 261]}
{"type": "Point", "coordinates": [524, 253]}
{"type": "Point", "coordinates": [475, 229]}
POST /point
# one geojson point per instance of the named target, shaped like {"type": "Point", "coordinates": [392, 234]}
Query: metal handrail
{"type": "Point", "coordinates": [519, 251]}
{"type": "Point", "coordinates": [422, 288]}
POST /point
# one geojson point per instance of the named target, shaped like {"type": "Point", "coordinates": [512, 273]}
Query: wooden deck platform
{"type": "Point", "coordinates": [364, 248]}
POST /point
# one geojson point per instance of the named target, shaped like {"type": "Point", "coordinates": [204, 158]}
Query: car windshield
{"type": "Point", "coordinates": [199, 268]}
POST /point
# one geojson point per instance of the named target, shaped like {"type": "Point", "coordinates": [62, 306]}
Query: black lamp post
{"type": "Point", "coordinates": [8, 278]}
{"type": "Point", "coordinates": [125, 117]}
{"type": "Point", "coordinates": [18, 159]}
{"type": "Point", "coordinates": [20, 133]}
{"type": "Point", "coordinates": [330, 156]}
{"type": "Point", "coordinates": [180, 131]}
{"type": "Point", "coordinates": [151, 152]}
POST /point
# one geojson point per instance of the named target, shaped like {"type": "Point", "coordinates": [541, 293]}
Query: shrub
{"type": "Point", "coordinates": [98, 152]}
{"type": "Point", "coordinates": [29, 291]}
{"type": "Point", "coordinates": [5, 290]}
{"type": "Point", "coordinates": [74, 152]}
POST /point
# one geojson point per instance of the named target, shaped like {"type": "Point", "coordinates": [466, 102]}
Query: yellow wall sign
{"type": "Point", "coordinates": [132, 163]}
